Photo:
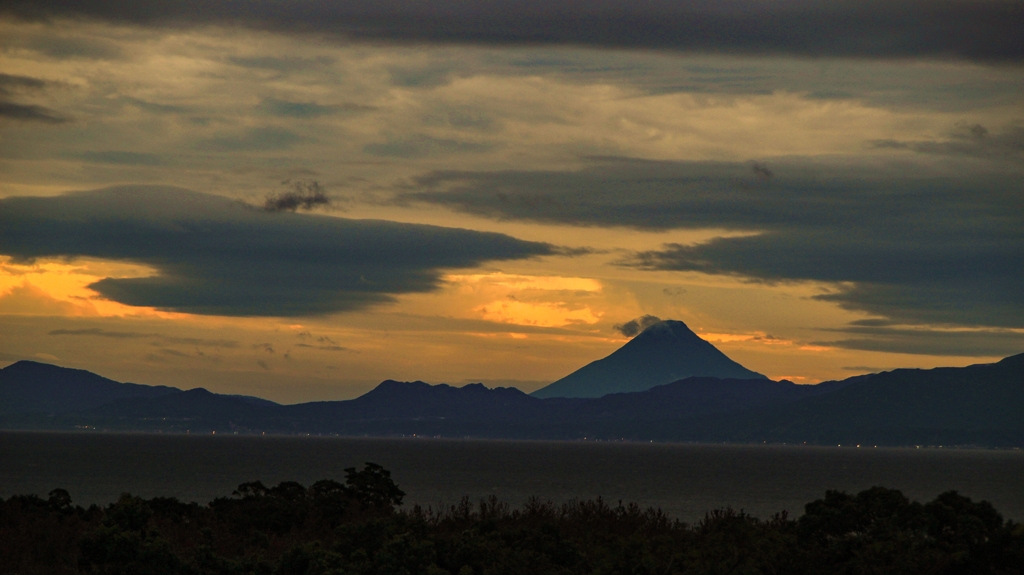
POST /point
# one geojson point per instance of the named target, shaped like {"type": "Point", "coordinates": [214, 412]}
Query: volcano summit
{"type": "Point", "coordinates": [664, 352]}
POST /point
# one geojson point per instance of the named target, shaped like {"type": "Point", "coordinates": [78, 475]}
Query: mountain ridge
{"type": "Point", "coordinates": [664, 352]}
{"type": "Point", "coordinates": [32, 387]}
{"type": "Point", "coordinates": [973, 405]}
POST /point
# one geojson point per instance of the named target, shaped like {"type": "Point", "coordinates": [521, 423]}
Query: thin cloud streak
{"type": "Point", "coordinates": [113, 334]}
{"type": "Point", "coordinates": [30, 113]}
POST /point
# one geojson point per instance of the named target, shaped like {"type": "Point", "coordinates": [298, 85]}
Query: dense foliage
{"type": "Point", "coordinates": [330, 528]}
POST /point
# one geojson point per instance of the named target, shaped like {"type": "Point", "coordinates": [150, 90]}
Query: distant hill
{"type": "Point", "coordinates": [32, 387]}
{"type": "Point", "coordinates": [664, 352]}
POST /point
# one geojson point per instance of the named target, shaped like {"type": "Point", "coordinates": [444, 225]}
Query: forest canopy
{"type": "Point", "coordinates": [361, 527]}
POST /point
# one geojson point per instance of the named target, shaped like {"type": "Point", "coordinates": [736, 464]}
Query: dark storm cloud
{"type": "Point", "coordinates": [902, 245]}
{"type": "Point", "coordinates": [635, 326]}
{"type": "Point", "coordinates": [216, 256]}
{"type": "Point", "coordinates": [987, 30]}
{"type": "Point", "coordinates": [30, 113]}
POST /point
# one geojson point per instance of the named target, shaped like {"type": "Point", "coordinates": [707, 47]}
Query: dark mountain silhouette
{"type": "Point", "coordinates": [195, 404]}
{"type": "Point", "coordinates": [697, 396]}
{"type": "Point", "coordinates": [405, 400]}
{"type": "Point", "coordinates": [32, 387]}
{"type": "Point", "coordinates": [975, 405]}
{"type": "Point", "coordinates": [664, 352]}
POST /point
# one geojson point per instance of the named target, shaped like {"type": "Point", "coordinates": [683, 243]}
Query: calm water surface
{"type": "Point", "coordinates": [684, 480]}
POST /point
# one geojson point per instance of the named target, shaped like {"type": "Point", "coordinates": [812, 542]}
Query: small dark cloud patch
{"type": "Point", "coordinates": [267, 138]}
{"type": "Point", "coordinates": [286, 108]}
{"type": "Point", "coordinates": [158, 337]}
{"type": "Point", "coordinates": [101, 333]}
{"type": "Point", "coordinates": [635, 326]}
{"type": "Point", "coordinates": [323, 347]}
{"type": "Point", "coordinates": [420, 145]}
{"type": "Point", "coordinates": [463, 118]}
{"type": "Point", "coordinates": [30, 113]}
{"type": "Point", "coordinates": [154, 107]}
{"type": "Point", "coordinates": [281, 64]}
{"type": "Point", "coordinates": [917, 341]}
{"type": "Point", "coordinates": [64, 48]}
{"type": "Point", "coordinates": [216, 256]}
{"type": "Point", "coordinates": [762, 171]}
{"type": "Point", "coordinates": [121, 157]}
{"type": "Point", "coordinates": [304, 195]}
{"type": "Point", "coordinates": [865, 369]}
{"type": "Point", "coordinates": [673, 291]}
{"type": "Point", "coordinates": [873, 322]}
{"type": "Point", "coordinates": [575, 252]}
{"type": "Point", "coordinates": [968, 140]}
{"type": "Point", "coordinates": [982, 30]}
{"type": "Point", "coordinates": [10, 83]}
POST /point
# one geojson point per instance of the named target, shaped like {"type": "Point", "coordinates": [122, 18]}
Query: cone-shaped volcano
{"type": "Point", "coordinates": [664, 352]}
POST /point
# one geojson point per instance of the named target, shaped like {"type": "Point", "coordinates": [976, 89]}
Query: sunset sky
{"type": "Point", "coordinates": [493, 188]}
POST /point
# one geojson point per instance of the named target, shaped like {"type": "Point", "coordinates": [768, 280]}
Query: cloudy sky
{"type": "Point", "coordinates": [298, 199]}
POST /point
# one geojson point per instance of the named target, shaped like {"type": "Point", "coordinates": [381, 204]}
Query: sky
{"type": "Point", "coordinates": [299, 199]}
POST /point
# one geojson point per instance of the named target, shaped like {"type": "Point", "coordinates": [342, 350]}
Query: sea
{"type": "Point", "coordinates": [684, 480]}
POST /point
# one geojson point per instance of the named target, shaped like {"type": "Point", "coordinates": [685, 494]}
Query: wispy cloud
{"type": "Point", "coordinates": [635, 326]}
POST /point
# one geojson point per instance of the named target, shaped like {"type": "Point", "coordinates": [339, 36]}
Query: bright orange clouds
{"type": "Point", "coordinates": [55, 287]}
{"type": "Point", "coordinates": [544, 301]}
